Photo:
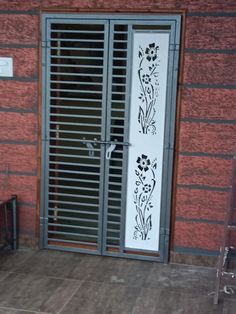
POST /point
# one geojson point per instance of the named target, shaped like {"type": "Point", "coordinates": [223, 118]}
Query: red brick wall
{"type": "Point", "coordinates": [207, 114]}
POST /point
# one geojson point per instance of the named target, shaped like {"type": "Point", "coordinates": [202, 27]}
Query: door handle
{"type": "Point", "coordinates": [110, 150]}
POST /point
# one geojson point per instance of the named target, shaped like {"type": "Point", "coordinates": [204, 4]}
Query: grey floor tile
{"type": "Point", "coordinates": [229, 306]}
{"type": "Point", "coordinates": [101, 298]}
{"type": "Point", "coordinates": [51, 263]}
{"type": "Point", "coordinates": [3, 274]}
{"type": "Point", "coordinates": [11, 260]}
{"type": "Point", "coordinates": [35, 293]}
{"type": "Point", "coordinates": [186, 278]}
{"type": "Point", "coordinates": [113, 270]}
{"type": "Point", "coordinates": [147, 301]}
{"type": "Point", "coordinates": [163, 301]}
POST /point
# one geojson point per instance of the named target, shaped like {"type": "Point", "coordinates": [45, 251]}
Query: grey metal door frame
{"type": "Point", "coordinates": [173, 21]}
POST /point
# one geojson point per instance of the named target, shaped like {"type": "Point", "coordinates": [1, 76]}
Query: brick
{"type": "Point", "coordinates": [19, 5]}
{"type": "Point", "coordinates": [18, 95]}
{"type": "Point", "coordinates": [206, 6]}
{"type": "Point", "coordinates": [79, 4]}
{"type": "Point", "coordinates": [141, 4]}
{"type": "Point", "coordinates": [208, 103]}
{"type": "Point", "coordinates": [25, 61]}
{"type": "Point", "coordinates": [189, 5]}
{"type": "Point", "coordinates": [21, 158]}
{"type": "Point", "coordinates": [201, 204]}
{"type": "Point", "coordinates": [209, 171]}
{"type": "Point", "coordinates": [210, 33]}
{"type": "Point", "coordinates": [209, 69]}
{"type": "Point", "coordinates": [26, 220]}
{"type": "Point", "coordinates": [198, 235]}
{"type": "Point", "coordinates": [25, 187]}
{"type": "Point", "coordinates": [207, 137]}
{"type": "Point", "coordinates": [18, 126]}
{"type": "Point", "coordinates": [19, 29]}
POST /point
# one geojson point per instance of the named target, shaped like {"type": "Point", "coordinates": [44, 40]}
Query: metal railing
{"type": "Point", "coordinates": [8, 223]}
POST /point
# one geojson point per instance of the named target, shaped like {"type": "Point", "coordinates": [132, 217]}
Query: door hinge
{"type": "Point", "coordinates": [174, 47]}
{"type": "Point", "coordinates": [45, 44]}
{"type": "Point", "coordinates": [43, 220]}
{"type": "Point", "coordinates": [164, 231]}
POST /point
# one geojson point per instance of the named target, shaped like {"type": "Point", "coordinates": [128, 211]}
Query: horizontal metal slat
{"type": "Point", "coordinates": [114, 207]}
{"type": "Point", "coordinates": [113, 230]}
{"type": "Point", "coordinates": [74, 148]}
{"type": "Point", "coordinates": [72, 123]}
{"type": "Point", "coordinates": [73, 203]}
{"type": "Point", "coordinates": [71, 187]}
{"type": "Point", "coordinates": [112, 238]}
{"type": "Point", "coordinates": [77, 99]}
{"type": "Point", "coordinates": [83, 116]}
{"type": "Point", "coordinates": [73, 156]}
{"type": "Point", "coordinates": [77, 83]}
{"type": "Point", "coordinates": [77, 40]}
{"type": "Point", "coordinates": [56, 217]}
{"type": "Point", "coordinates": [72, 211]}
{"type": "Point", "coordinates": [76, 172]}
{"type": "Point", "coordinates": [79, 164]}
{"type": "Point", "coordinates": [76, 195]}
{"type": "Point", "coordinates": [76, 31]}
{"type": "Point", "coordinates": [73, 234]}
{"type": "Point", "coordinates": [75, 74]}
{"type": "Point", "coordinates": [61, 65]}
{"type": "Point", "coordinates": [76, 49]}
{"type": "Point", "coordinates": [71, 241]}
{"type": "Point", "coordinates": [72, 226]}
{"type": "Point", "coordinates": [74, 180]}
{"type": "Point", "coordinates": [76, 57]}
{"type": "Point", "coordinates": [76, 108]}
{"type": "Point", "coordinates": [82, 91]}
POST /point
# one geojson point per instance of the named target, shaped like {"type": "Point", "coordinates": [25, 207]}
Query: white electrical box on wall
{"type": "Point", "coordinates": [6, 67]}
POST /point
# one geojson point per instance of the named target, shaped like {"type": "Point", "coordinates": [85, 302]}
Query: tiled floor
{"type": "Point", "coordinates": [72, 283]}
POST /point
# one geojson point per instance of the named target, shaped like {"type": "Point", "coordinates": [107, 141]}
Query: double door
{"type": "Point", "coordinates": [106, 134]}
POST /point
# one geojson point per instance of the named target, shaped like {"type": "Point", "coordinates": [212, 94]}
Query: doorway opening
{"type": "Point", "coordinates": [109, 90]}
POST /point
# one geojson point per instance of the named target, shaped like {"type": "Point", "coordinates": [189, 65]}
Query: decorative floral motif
{"type": "Point", "coordinates": [146, 79]}
{"type": "Point", "coordinates": [149, 87]}
{"type": "Point", "coordinates": [143, 162]}
{"type": "Point", "coordinates": [144, 187]}
{"type": "Point", "coordinates": [151, 51]}
{"type": "Point", "coordinates": [147, 188]}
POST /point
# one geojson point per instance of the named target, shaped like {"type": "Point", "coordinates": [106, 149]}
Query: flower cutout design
{"type": "Point", "coordinates": [146, 79]}
{"type": "Point", "coordinates": [147, 188]}
{"type": "Point", "coordinates": [151, 52]}
{"type": "Point", "coordinates": [143, 162]}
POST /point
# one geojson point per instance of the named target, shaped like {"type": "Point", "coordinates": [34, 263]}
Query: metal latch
{"type": "Point", "coordinates": [110, 150]}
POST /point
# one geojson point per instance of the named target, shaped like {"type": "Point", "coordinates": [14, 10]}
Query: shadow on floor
{"type": "Point", "coordinates": [72, 283]}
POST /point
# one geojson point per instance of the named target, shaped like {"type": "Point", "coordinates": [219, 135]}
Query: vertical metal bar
{"type": "Point", "coordinates": [14, 222]}
{"type": "Point", "coordinates": [107, 136]}
{"type": "Point", "coordinates": [6, 223]}
{"type": "Point", "coordinates": [170, 131]}
{"type": "Point", "coordinates": [102, 204]}
{"type": "Point", "coordinates": [126, 136]}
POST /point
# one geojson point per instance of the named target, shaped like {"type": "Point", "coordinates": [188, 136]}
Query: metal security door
{"type": "Point", "coordinates": [75, 54]}
{"type": "Point", "coordinates": [89, 144]}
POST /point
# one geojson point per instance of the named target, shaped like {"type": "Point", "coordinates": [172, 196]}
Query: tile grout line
{"type": "Point", "coordinates": [27, 311]}
{"type": "Point", "coordinates": [70, 298]}
{"type": "Point", "coordinates": [45, 276]}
